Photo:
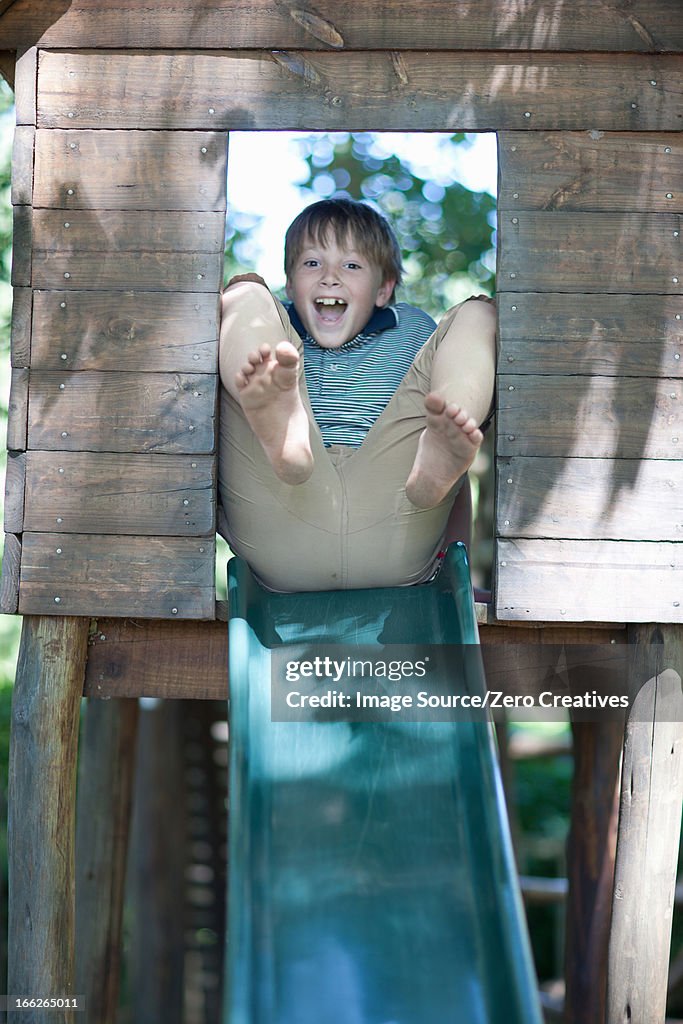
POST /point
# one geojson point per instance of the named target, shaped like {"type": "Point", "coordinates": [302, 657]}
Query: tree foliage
{"type": "Point", "coordinates": [445, 230]}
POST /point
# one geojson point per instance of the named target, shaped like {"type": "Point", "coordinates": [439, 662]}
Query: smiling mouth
{"type": "Point", "coordinates": [330, 310]}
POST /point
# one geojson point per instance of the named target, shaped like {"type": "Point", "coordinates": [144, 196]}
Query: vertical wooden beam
{"type": "Point", "coordinates": [41, 818]}
{"type": "Point", "coordinates": [649, 830]}
{"type": "Point", "coordinates": [590, 867]}
{"type": "Point", "coordinates": [105, 788]}
{"type": "Point", "coordinates": [157, 868]}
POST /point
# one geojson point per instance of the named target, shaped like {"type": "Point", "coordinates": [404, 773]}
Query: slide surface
{"type": "Point", "coordinates": [371, 877]}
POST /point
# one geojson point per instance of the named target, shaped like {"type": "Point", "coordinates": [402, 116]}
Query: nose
{"type": "Point", "coordinates": [329, 277]}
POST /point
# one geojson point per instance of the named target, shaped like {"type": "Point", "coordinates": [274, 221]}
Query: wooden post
{"type": "Point", "coordinates": [590, 867]}
{"type": "Point", "coordinates": [156, 887]}
{"type": "Point", "coordinates": [649, 830]}
{"type": "Point", "coordinates": [41, 818]}
{"type": "Point", "coordinates": [105, 786]}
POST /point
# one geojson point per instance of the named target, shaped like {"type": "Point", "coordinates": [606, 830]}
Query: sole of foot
{"type": "Point", "coordinates": [268, 391]}
{"type": "Point", "coordinates": [445, 451]}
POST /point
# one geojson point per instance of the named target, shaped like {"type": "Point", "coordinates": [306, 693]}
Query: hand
{"type": "Point", "coordinates": [256, 278]}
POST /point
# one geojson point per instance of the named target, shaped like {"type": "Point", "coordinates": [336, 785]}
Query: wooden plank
{"type": "Point", "coordinates": [106, 773]}
{"type": "Point", "coordinates": [602, 580]}
{"type": "Point", "coordinates": [590, 499]}
{"type": "Point", "coordinates": [22, 165]}
{"type": "Point", "coordinates": [590, 170]}
{"type": "Point", "coordinates": [15, 480]}
{"type": "Point", "coordinates": [438, 24]}
{"type": "Point", "coordinates": [104, 250]}
{"type": "Point", "coordinates": [615, 335]}
{"type": "Point", "coordinates": [20, 344]}
{"type": "Point", "coordinates": [42, 807]}
{"type": "Point", "coordinates": [649, 831]}
{"type": "Point", "coordinates": [256, 90]}
{"type": "Point", "coordinates": [590, 252]}
{"type": "Point", "coordinates": [131, 170]}
{"type": "Point", "coordinates": [89, 330]}
{"type": "Point", "coordinates": [122, 412]}
{"type": "Point", "coordinates": [21, 246]}
{"type": "Point", "coordinates": [590, 417]}
{"type": "Point", "coordinates": [130, 658]}
{"type": "Point", "coordinates": [17, 410]}
{"type": "Point", "coordinates": [154, 495]}
{"type": "Point", "coordinates": [79, 574]}
{"type": "Point", "coordinates": [25, 84]}
{"type": "Point", "coordinates": [9, 584]}
{"type": "Point", "coordinates": [158, 659]}
{"type": "Point", "coordinates": [117, 270]}
{"type": "Point", "coordinates": [154, 231]}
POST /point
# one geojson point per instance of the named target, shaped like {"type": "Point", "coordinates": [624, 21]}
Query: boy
{"type": "Point", "coordinates": [344, 445]}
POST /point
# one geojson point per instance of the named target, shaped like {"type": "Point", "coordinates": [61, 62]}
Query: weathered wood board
{"type": "Point", "coordinates": [590, 417]}
{"type": "Point", "coordinates": [133, 170]}
{"type": "Point", "coordinates": [22, 165]}
{"type": "Point", "coordinates": [152, 577]}
{"type": "Point", "coordinates": [122, 412]}
{"type": "Point", "coordinates": [116, 270]}
{"type": "Point", "coordinates": [169, 659]}
{"type": "Point", "coordinates": [133, 331]}
{"type": "Point", "coordinates": [156, 495]}
{"type": "Point", "coordinates": [610, 499]}
{"type": "Point", "coordinates": [17, 411]}
{"type": "Point", "coordinates": [20, 339]}
{"type": "Point", "coordinates": [9, 582]}
{"type": "Point", "coordinates": [26, 71]}
{"type": "Point", "coordinates": [590, 170]}
{"type": "Point", "coordinates": [187, 659]}
{"type": "Point", "coordinates": [645, 25]}
{"type": "Point", "coordinates": [584, 580]}
{"type": "Point", "coordinates": [590, 252]}
{"type": "Point", "coordinates": [22, 245]}
{"type": "Point", "coordinates": [141, 231]}
{"type": "Point", "coordinates": [411, 90]}
{"type": "Point", "coordinates": [15, 479]}
{"type": "Point", "coordinates": [608, 335]}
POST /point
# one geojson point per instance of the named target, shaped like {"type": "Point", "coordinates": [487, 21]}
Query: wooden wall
{"type": "Point", "coordinates": [117, 270]}
{"type": "Point", "coordinates": [123, 116]}
{"type": "Point", "coordinates": [590, 433]}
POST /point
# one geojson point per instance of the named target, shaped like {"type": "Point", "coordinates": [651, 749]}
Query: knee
{"type": "Point", "coordinates": [245, 295]}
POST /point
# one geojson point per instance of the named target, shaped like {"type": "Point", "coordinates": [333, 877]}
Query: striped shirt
{"type": "Point", "coordinates": [350, 386]}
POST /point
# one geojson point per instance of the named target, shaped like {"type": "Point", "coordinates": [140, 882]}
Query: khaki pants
{"type": "Point", "coordinates": [350, 525]}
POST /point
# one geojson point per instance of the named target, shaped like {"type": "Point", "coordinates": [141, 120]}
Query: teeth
{"type": "Point", "coordinates": [330, 302]}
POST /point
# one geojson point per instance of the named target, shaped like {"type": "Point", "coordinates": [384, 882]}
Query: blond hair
{"type": "Point", "coordinates": [347, 220]}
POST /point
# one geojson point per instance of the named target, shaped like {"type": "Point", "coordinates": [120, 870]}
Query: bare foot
{"type": "Point", "coordinates": [445, 451]}
{"type": "Point", "coordinates": [268, 387]}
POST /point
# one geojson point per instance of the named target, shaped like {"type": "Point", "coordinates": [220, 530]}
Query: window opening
{"type": "Point", "coordinates": [438, 190]}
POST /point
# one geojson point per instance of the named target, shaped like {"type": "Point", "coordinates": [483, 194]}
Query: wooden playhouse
{"type": "Point", "coordinates": [123, 119]}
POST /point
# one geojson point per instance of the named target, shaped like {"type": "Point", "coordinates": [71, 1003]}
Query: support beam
{"type": "Point", "coordinates": [649, 830]}
{"type": "Point", "coordinates": [590, 867]}
{"type": "Point", "coordinates": [41, 819]}
{"type": "Point", "coordinates": [105, 786]}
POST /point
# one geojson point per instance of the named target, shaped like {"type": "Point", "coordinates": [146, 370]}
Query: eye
{"type": "Point", "coordinates": [351, 265]}
{"type": "Point", "coordinates": [311, 263]}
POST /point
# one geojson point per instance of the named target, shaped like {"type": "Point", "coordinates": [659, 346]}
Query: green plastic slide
{"type": "Point", "coordinates": [371, 876]}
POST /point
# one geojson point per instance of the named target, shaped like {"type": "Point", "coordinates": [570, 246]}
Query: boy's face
{"type": "Point", "coordinates": [334, 289]}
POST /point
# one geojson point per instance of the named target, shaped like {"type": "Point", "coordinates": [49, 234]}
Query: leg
{"type": "Point", "coordinates": [261, 371]}
{"type": "Point", "coordinates": [462, 379]}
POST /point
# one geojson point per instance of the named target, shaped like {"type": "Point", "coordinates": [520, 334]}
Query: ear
{"type": "Point", "coordinates": [288, 289]}
{"type": "Point", "coordinates": [384, 292]}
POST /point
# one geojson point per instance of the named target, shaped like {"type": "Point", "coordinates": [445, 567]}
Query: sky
{"type": "Point", "coordinates": [274, 193]}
